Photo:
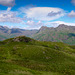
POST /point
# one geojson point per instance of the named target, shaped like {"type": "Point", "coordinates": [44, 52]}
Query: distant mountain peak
{"type": "Point", "coordinates": [4, 27]}
{"type": "Point", "coordinates": [43, 28]}
{"type": "Point", "coordinates": [63, 25]}
{"type": "Point", "coordinates": [60, 26]}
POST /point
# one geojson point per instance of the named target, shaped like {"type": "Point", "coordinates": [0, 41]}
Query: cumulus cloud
{"type": "Point", "coordinates": [57, 23]}
{"type": "Point", "coordinates": [71, 14]}
{"type": "Point", "coordinates": [43, 13]}
{"type": "Point", "coordinates": [9, 16]}
{"type": "Point", "coordinates": [8, 9]}
{"type": "Point", "coordinates": [61, 22]}
{"type": "Point", "coordinates": [73, 2]}
{"type": "Point", "coordinates": [33, 25]}
{"type": "Point", "coordinates": [37, 25]}
{"type": "Point", "coordinates": [8, 3]}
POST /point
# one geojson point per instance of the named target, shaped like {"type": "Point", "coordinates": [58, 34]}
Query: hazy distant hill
{"type": "Point", "coordinates": [5, 32]}
{"type": "Point", "coordinates": [62, 33]}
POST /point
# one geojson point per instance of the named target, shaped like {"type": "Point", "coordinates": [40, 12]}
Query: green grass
{"type": "Point", "coordinates": [30, 57]}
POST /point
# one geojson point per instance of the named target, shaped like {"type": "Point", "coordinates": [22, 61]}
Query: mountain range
{"type": "Point", "coordinates": [6, 32]}
{"type": "Point", "coordinates": [62, 33]}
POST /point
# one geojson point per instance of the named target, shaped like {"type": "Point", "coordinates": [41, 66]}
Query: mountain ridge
{"type": "Point", "coordinates": [62, 33]}
{"type": "Point", "coordinates": [6, 32]}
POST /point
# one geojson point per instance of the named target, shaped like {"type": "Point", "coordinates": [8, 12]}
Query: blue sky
{"type": "Point", "coordinates": [32, 14]}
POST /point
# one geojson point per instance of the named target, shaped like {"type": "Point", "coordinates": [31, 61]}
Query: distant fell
{"type": "Point", "coordinates": [6, 32]}
{"type": "Point", "coordinates": [62, 33]}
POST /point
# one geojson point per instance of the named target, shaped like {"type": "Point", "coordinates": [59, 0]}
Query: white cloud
{"type": "Point", "coordinates": [73, 1]}
{"type": "Point", "coordinates": [56, 23]}
{"type": "Point", "coordinates": [69, 24]}
{"type": "Point", "coordinates": [8, 9]}
{"type": "Point", "coordinates": [9, 16]}
{"type": "Point", "coordinates": [8, 3]}
{"type": "Point", "coordinates": [33, 25]}
{"type": "Point", "coordinates": [39, 24]}
{"type": "Point", "coordinates": [71, 14]}
{"type": "Point", "coordinates": [43, 13]}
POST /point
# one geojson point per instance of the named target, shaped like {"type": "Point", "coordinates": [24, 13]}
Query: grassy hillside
{"type": "Point", "coordinates": [26, 56]}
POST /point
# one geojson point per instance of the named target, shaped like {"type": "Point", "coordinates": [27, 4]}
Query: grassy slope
{"type": "Point", "coordinates": [36, 58]}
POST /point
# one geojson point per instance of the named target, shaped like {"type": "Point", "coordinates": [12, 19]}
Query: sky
{"type": "Point", "coordinates": [32, 14]}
